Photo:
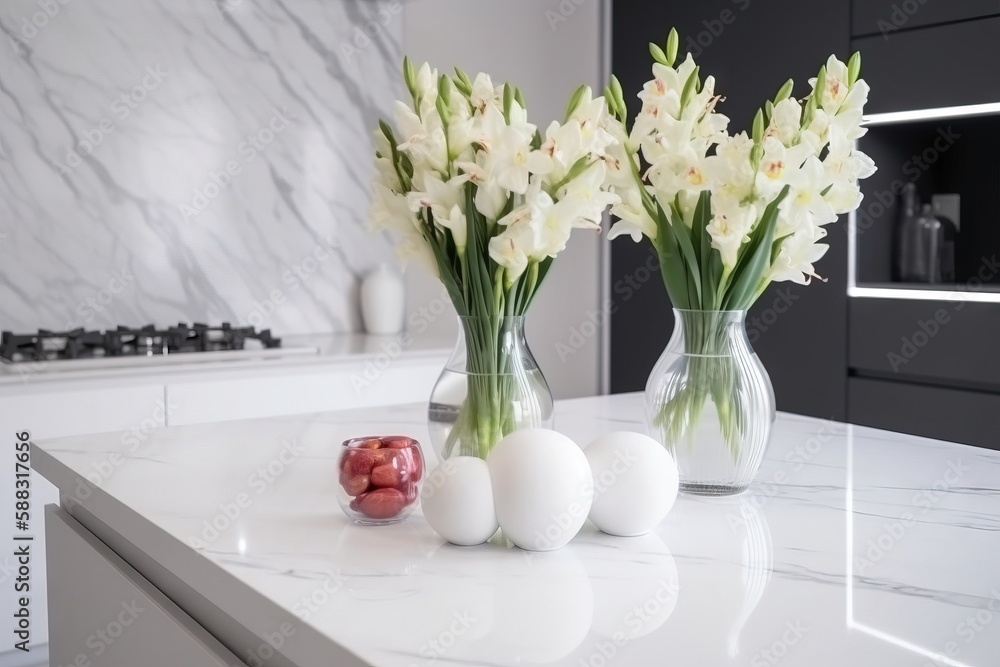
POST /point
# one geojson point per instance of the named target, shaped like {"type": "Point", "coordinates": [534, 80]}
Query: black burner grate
{"type": "Point", "coordinates": [125, 341]}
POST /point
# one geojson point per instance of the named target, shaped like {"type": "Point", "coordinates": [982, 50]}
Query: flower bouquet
{"type": "Point", "coordinates": [728, 214]}
{"type": "Point", "coordinates": [467, 184]}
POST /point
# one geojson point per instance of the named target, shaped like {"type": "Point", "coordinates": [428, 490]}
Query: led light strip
{"type": "Point", "coordinates": [964, 111]}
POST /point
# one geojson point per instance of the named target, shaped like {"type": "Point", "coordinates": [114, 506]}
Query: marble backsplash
{"type": "Point", "coordinates": [190, 160]}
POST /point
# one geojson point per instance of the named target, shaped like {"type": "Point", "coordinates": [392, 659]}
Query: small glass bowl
{"type": "Point", "coordinates": [379, 478]}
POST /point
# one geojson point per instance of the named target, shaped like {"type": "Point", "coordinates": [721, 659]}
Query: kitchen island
{"type": "Point", "coordinates": [853, 547]}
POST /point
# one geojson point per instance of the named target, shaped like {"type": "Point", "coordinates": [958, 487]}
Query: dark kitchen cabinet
{"type": "Point", "coordinates": [928, 68]}
{"type": "Point", "coordinates": [798, 331]}
{"type": "Point", "coordinates": [943, 342]}
{"type": "Point", "coordinates": [887, 17]}
{"type": "Point", "coordinates": [968, 417]}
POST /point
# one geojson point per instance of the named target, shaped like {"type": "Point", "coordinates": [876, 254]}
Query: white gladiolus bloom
{"type": "Point", "coordinates": [832, 98]}
{"type": "Point", "coordinates": [585, 193]}
{"type": "Point", "coordinates": [483, 94]}
{"type": "Point", "coordinates": [787, 121]}
{"type": "Point", "coordinates": [389, 211]}
{"type": "Point", "coordinates": [730, 225]}
{"type": "Point", "coordinates": [633, 220]}
{"type": "Point", "coordinates": [797, 255]}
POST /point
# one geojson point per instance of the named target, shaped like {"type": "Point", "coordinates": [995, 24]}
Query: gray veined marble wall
{"type": "Point", "coordinates": [207, 160]}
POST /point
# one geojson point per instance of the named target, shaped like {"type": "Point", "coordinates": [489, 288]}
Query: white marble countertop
{"type": "Point", "coordinates": [853, 547]}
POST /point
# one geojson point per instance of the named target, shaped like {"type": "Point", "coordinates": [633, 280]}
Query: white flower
{"type": "Point", "coordinates": [833, 96]}
{"type": "Point", "coordinates": [797, 255]}
{"type": "Point", "coordinates": [634, 219]}
{"type": "Point", "coordinates": [589, 115]}
{"type": "Point", "coordinates": [843, 170]}
{"type": "Point", "coordinates": [729, 170]}
{"type": "Point", "coordinates": [786, 121]}
{"type": "Point", "coordinates": [483, 94]}
{"type": "Point", "coordinates": [423, 138]}
{"type": "Point", "coordinates": [446, 201]}
{"type": "Point", "coordinates": [585, 194]}
{"type": "Point", "coordinates": [389, 211]}
{"type": "Point", "coordinates": [729, 228]}
{"type": "Point", "coordinates": [426, 86]}
{"type": "Point", "coordinates": [508, 158]}
{"type": "Point", "coordinates": [805, 206]}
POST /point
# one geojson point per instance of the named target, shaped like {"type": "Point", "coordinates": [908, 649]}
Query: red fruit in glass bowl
{"type": "Point", "coordinates": [381, 503]}
{"type": "Point", "coordinates": [379, 478]}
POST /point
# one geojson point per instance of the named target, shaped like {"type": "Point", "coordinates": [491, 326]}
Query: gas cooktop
{"type": "Point", "coordinates": [123, 345]}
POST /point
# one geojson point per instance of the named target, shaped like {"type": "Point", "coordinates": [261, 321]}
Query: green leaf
{"type": "Point", "coordinates": [410, 77]}
{"type": "Point", "coordinates": [616, 87]}
{"type": "Point", "coordinates": [463, 82]}
{"type": "Point", "coordinates": [442, 108]}
{"type": "Point", "coordinates": [785, 91]}
{"type": "Point", "coordinates": [703, 244]}
{"type": "Point", "coordinates": [820, 84]}
{"type": "Point", "coordinates": [671, 263]}
{"type": "Point", "coordinates": [853, 69]}
{"type": "Point", "coordinates": [683, 235]}
{"type": "Point", "coordinates": [673, 41]}
{"type": "Point", "coordinates": [758, 127]}
{"type": "Point", "coordinates": [752, 272]}
{"type": "Point", "coordinates": [689, 87]}
{"type": "Point", "coordinates": [444, 89]}
{"type": "Point", "coordinates": [574, 100]}
{"type": "Point", "coordinates": [658, 54]}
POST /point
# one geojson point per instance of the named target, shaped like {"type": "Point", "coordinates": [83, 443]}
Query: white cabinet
{"type": "Point", "coordinates": [337, 387]}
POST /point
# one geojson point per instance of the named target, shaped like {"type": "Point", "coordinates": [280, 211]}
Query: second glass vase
{"type": "Point", "coordinates": [710, 402]}
{"type": "Point", "coordinates": [491, 386]}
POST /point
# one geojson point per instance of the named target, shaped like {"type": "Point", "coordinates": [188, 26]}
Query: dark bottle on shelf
{"type": "Point", "coordinates": [947, 256]}
{"type": "Point", "coordinates": [905, 256]}
{"type": "Point", "coordinates": [924, 247]}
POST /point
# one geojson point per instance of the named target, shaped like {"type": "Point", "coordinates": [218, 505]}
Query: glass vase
{"type": "Point", "coordinates": [491, 386]}
{"type": "Point", "coordinates": [710, 402]}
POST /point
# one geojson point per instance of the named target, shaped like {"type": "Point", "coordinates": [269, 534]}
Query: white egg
{"type": "Point", "coordinates": [542, 488]}
{"type": "Point", "coordinates": [457, 501]}
{"type": "Point", "coordinates": [635, 483]}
